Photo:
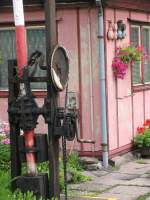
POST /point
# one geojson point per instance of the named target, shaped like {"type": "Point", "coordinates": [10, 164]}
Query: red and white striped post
{"type": "Point", "coordinates": [21, 51]}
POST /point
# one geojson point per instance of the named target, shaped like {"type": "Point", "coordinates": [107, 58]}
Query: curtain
{"type": "Point", "coordinates": [35, 40]}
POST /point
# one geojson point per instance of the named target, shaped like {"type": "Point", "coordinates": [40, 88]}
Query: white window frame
{"type": "Point", "coordinates": [139, 43]}
{"type": "Point", "coordinates": [146, 27]}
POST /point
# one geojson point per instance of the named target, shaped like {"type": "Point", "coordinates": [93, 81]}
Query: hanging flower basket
{"type": "Point", "coordinates": [124, 57]}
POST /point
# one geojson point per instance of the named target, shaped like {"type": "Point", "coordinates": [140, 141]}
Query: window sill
{"type": "Point", "coordinates": [3, 93]}
{"type": "Point", "coordinates": [38, 94]}
{"type": "Point", "coordinates": [139, 88]}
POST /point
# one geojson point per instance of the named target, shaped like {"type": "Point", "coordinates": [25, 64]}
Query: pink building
{"type": "Point", "coordinates": [80, 25]}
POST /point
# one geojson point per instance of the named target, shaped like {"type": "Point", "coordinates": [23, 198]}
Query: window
{"type": "Point", "coordinates": [146, 43]}
{"type": "Point", "coordinates": [35, 41]}
{"type": "Point", "coordinates": [140, 35]}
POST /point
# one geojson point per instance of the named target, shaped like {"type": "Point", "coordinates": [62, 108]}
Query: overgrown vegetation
{"type": "Point", "coordinates": [4, 157]}
{"type": "Point", "coordinates": [141, 161]}
{"type": "Point", "coordinates": [144, 197]}
{"type": "Point", "coordinates": [74, 168]}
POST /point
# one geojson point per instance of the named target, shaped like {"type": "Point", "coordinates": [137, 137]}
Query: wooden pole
{"type": "Point", "coordinates": [50, 16]}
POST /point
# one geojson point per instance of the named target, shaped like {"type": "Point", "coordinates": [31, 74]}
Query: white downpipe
{"type": "Point", "coordinates": [103, 106]}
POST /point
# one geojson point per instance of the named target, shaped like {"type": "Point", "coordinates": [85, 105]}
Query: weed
{"type": "Point", "coordinates": [4, 157]}
{"type": "Point", "coordinates": [75, 162]}
{"type": "Point", "coordinates": [115, 168]}
{"type": "Point", "coordinates": [74, 167]}
{"type": "Point", "coordinates": [4, 185]}
{"type": "Point", "coordinates": [141, 161]}
{"type": "Point", "coordinates": [143, 197]}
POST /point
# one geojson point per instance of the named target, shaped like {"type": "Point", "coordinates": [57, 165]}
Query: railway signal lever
{"type": "Point", "coordinates": [24, 112]}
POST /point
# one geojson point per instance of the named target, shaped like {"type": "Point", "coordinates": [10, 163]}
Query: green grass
{"type": "Point", "coordinates": [4, 157]}
{"type": "Point", "coordinates": [144, 197]}
{"type": "Point", "coordinates": [115, 168]}
{"type": "Point", "coordinates": [74, 167]}
{"type": "Point", "coordinates": [141, 161]}
{"type": "Point", "coordinates": [4, 185]}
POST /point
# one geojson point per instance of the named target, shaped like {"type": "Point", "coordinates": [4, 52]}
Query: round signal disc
{"type": "Point", "coordinates": [59, 68]}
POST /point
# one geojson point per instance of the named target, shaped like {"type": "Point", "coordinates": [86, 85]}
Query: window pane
{"type": "Point", "coordinates": [146, 43]}
{"type": "Point", "coordinates": [136, 68]}
{"type": "Point", "coordinates": [7, 38]}
{"type": "Point", "coordinates": [136, 71]}
{"type": "Point", "coordinates": [135, 36]}
{"type": "Point", "coordinates": [36, 41]}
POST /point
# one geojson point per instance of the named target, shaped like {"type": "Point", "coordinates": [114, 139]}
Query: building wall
{"type": "Point", "coordinates": [77, 32]}
{"type": "Point", "coordinates": [126, 109]}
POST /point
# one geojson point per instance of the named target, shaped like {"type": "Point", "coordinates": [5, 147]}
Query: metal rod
{"type": "Point", "coordinates": [14, 129]}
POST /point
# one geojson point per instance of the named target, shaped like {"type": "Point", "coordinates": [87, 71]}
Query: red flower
{"type": "Point", "coordinates": [140, 130]}
{"type": "Point", "coordinates": [147, 122]}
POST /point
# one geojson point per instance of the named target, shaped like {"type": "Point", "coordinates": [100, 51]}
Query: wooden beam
{"type": "Point", "coordinates": [136, 5]}
{"type": "Point", "coordinates": [51, 100]}
{"type": "Point", "coordinates": [40, 3]}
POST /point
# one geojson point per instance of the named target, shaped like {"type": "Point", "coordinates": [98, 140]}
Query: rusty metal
{"type": "Point", "coordinates": [59, 68]}
{"type": "Point", "coordinates": [13, 93]}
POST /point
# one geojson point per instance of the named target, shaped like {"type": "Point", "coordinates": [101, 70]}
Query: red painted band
{"type": "Point", "coordinates": [21, 48]}
{"type": "Point", "coordinates": [29, 142]}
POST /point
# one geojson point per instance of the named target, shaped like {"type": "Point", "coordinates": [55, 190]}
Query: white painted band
{"type": "Point", "coordinates": [18, 12]}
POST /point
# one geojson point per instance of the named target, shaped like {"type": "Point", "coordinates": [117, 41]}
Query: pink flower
{"type": "Point", "coordinates": [119, 67]}
{"type": "Point", "coordinates": [5, 141]}
{"type": "Point", "coordinates": [124, 56]}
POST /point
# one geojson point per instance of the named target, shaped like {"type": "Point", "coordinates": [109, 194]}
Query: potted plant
{"type": "Point", "coordinates": [125, 56]}
{"type": "Point", "coordinates": [142, 138]}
